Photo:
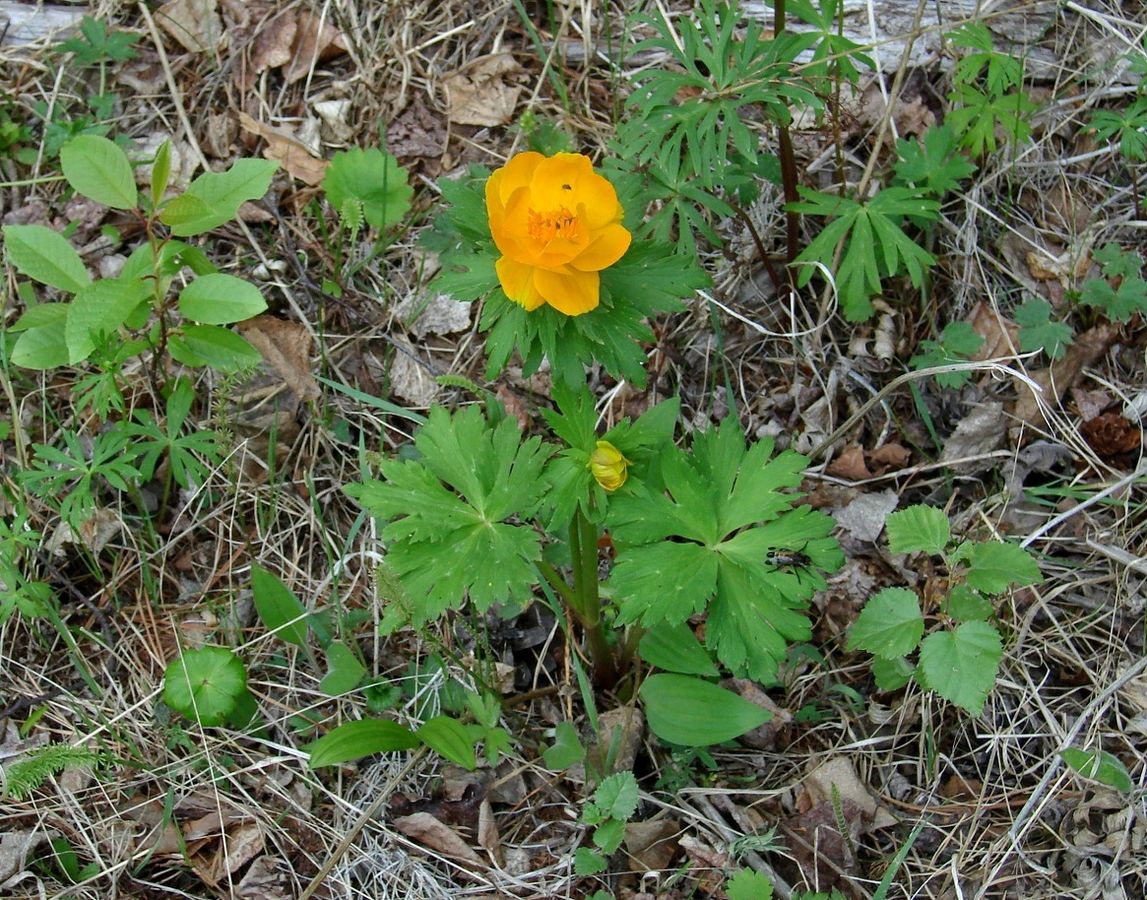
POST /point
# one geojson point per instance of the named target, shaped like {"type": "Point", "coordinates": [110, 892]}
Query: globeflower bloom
{"type": "Point", "coordinates": [608, 466]}
{"type": "Point", "coordinates": [557, 224]}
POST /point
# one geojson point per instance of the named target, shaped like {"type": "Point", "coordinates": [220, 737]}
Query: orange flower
{"type": "Point", "coordinates": [557, 224]}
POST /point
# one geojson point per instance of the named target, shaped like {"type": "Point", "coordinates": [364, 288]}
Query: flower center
{"type": "Point", "coordinates": [547, 226]}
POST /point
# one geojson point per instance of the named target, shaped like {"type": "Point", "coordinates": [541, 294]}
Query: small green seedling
{"type": "Point", "coordinates": [607, 812]}
{"type": "Point", "coordinates": [209, 686]}
{"type": "Point", "coordinates": [959, 658]}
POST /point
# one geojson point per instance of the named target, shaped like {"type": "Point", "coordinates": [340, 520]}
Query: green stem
{"type": "Point", "coordinates": [585, 600]}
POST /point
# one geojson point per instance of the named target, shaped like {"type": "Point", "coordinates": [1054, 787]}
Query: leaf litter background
{"type": "Point", "coordinates": [842, 774]}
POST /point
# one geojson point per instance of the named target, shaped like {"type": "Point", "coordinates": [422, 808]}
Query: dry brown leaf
{"type": "Point", "coordinates": [483, 92]}
{"type": "Point", "coordinates": [416, 131]}
{"type": "Point", "coordinates": [284, 147]}
{"type": "Point", "coordinates": [272, 45]}
{"type": "Point", "coordinates": [424, 829]}
{"type": "Point", "coordinates": [652, 844]}
{"type": "Point", "coordinates": [242, 844]}
{"type": "Point", "coordinates": [850, 464]}
{"type": "Point", "coordinates": [1001, 336]}
{"type": "Point", "coordinates": [838, 772]}
{"type": "Point", "coordinates": [316, 40]}
{"type": "Point", "coordinates": [763, 737]}
{"type": "Point", "coordinates": [888, 457]}
{"type": "Point", "coordinates": [286, 346]}
{"type": "Point", "coordinates": [981, 431]}
{"type": "Point", "coordinates": [1062, 374]}
{"type": "Point", "coordinates": [488, 837]}
{"type": "Point", "coordinates": [195, 24]}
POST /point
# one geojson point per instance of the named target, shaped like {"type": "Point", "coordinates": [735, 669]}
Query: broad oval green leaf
{"type": "Point", "coordinates": [918, 528]}
{"type": "Point", "coordinates": [220, 300]}
{"type": "Point", "coordinates": [101, 308]}
{"type": "Point", "coordinates": [212, 345]}
{"type": "Point", "coordinates": [961, 665]}
{"type": "Point", "coordinates": [344, 671]}
{"type": "Point", "coordinates": [45, 256]}
{"type": "Point", "coordinates": [215, 197]}
{"type": "Point", "coordinates": [890, 625]}
{"type": "Point", "coordinates": [354, 740]}
{"type": "Point", "coordinates": [42, 347]}
{"type": "Point", "coordinates": [451, 740]}
{"type": "Point", "coordinates": [674, 648]}
{"type": "Point", "coordinates": [694, 713]}
{"type": "Point", "coordinates": [205, 684]}
{"type": "Point", "coordinates": [1101, 766]}
{"type": "Point", "coordinates": [281, 612]}
{"type": "Point", "coordinates": [100, 170]}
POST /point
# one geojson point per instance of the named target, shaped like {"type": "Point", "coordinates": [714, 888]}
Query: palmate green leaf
{"type": "Point", "coordinates": [705, 542]}
{"type": "Point", "coordinates": [890, 625]}
{"type": "Point", "coordinates": [647, 280]}
{"type": "Point", "coordinates": [205, 684]}
{"type": "Point", "coordinates": [875, 245]}
{"type": "Point", "coordinates": [100, 170]}
{"type": "Point", "coordinates": [961, 665]}
{"type": "Point", "coordinates": [373, 177]}
{"type": "Point", "coordinates": [1039, 332]}
{"type": "Point", "coordinates": [215, 197]}
{"type": "Point", "coordinates": [917, 529]}
{"type": "Point", "coordinates": [447, 513]}
{"type": "Point", "coordinates": [45, 256]}
{"type": "Point", "coordinates": [933, 162]}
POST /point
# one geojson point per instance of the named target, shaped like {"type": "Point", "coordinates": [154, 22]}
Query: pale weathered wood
{"type": "Point", "coordinates": [27, 23]}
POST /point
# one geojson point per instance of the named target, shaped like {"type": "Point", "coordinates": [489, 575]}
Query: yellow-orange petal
{"type": "Point", "coordinates": [605, 248]}
{"type": "Point", "coordinates": [571, 292]}
{"type": "Point", "coordinates": [597, 202]}
{"type": "Point", "coordinates": [517, 280]}
{"type": "Point", "coordinates": [558, 181]}
{"type": "Point", "coordinates": [516, 173]}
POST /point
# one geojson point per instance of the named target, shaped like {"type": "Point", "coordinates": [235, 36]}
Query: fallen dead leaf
{"type": "Point", "coordinates": [287, 347]}
{"type": "Point", "coordinates": [838, 772]}
{"type": "Point", "coordinates": [981, 431]}
{"type": "Point", "coordinates": [888, 457]}
{"type": "Point", "coordinates": [409, 379]}
{"type": "Point", "coordinates": [1001, 336]}
{"type": "Point", "coordinates": [483, 92]}
{"type": "Point", "coordinates": [316, 40]}
{"type": "Point", "coordinates": [195, 24]}
{"type": "Point", "coordinates": [285, 148]}
{"type": "Point", "coordinates": [416, 131]}
{"type": "Point", "coordinates": [864, 516]}
{"type": "Point", "coordinates": [99, 528]}
{"type": "Point", "coordinates": [1061, 375]}
{"type": "Point", "coordinates": [272, 45]}
{"type": "Point", "coordinates": [424, 829]}
{"type": "Point", "coordinates": [849, 464]}
{"type": "Point", "coordinates": [652, 844]}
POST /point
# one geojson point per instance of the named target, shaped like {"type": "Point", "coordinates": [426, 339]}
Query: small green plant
{"type": "Point", "coordinates": [958, 342]}
{"type": "Point", "coordinates": [987, 95]}
{"type": "Point", "coordinates": [1101, 766]}
{"type": "Point", "coordinates": [606, 812]}
{"type": "Point", "coordinates": [1039, 331]}
{"type": "Point", "coordinates": [683, 143]}
{"type": "Point", "coordinates": [209, 686]}
{"type": "Point", "coordinates": [1122, 291]}
{"type": "Point", "coordinates": [135, 307]}
{"type": "Point", "coordinates": [20, 594]}
{"type": "Point", "coordinates": [959, 657]}
{"type": "Point", "coordinates": [25, 775]}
